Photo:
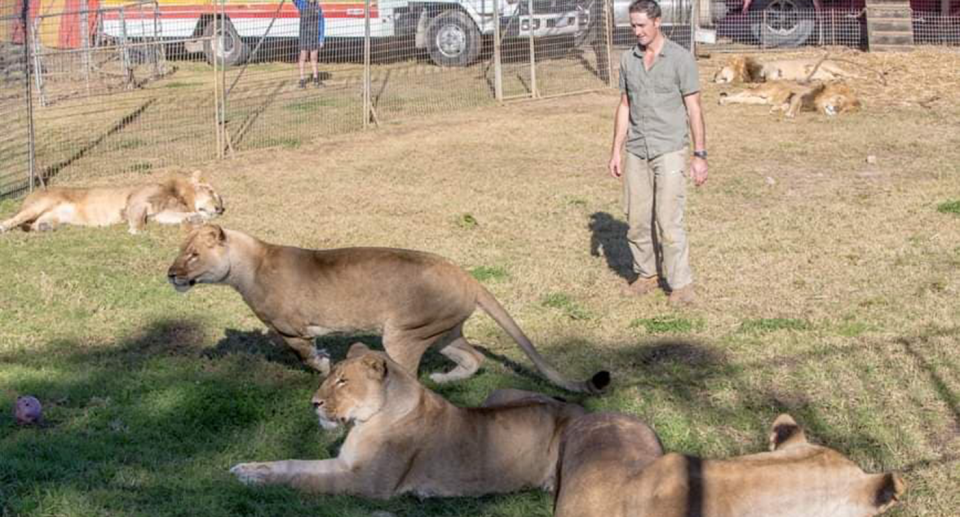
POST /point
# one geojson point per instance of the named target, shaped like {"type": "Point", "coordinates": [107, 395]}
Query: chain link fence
{"type": "Point", "coordinates": [92, 87]}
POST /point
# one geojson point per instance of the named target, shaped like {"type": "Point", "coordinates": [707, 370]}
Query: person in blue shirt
{"type": "Point", "coordinates": [311, 37]}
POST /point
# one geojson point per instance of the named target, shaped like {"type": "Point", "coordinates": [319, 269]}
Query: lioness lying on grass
{"type": "Point", "coordinates": [176, 200]}
{"type": "Point", "coordinates": [415, 299]}
{"type": "Point", "coordinates": [605, 474]}
{"type": "Point", "coordinates": [407, 439]}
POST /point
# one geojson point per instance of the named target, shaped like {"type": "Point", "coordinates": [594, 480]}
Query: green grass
{"type": "Point", "coordinates": [666, 325]}
{"type": "Point", "coordinates": [309, 105]}
{"type": "Point", "coordinates": [762, 325]}
{"type": "Point", "coordinates": [949, 207]}
{"type": "Point", "coordinates": [490, 273]}
{"type": "Point", "coordinates": [567, 305]}
{"type": "Point", "coordinates": [467, 221]}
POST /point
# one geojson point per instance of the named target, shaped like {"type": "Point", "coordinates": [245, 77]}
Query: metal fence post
{"type": "Point", "coordinates": [217, 100]}
{"type": "Point", "coordinates": [223, 77]}
{"type": "Point", "coordinates": [608, 33]}
{"type": "Point", "coordinates": [497, 69]}
{"type": "Point", "coordinates": [533, 54]}
{"type": "Point", "coordinates": [366, 64]}
{"type": "Point", "coordinates": [28, 87]}
{"type": "Point", "coordinates": [694, 24]}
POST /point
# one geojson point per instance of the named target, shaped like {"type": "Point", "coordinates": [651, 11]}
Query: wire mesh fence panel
{"type": "Point", "coordinates": [778, 28]}
{"type": "Point", "coordinates": [440, 66]}
{"type": "Point", "coordinates": [570, 51]}
{"type": "Point", "coordinates": [936, 29]}
{"type": "Point", "coordinates": [300, 76]}
{"type": "Point", "coordinates": [14, 112]}
{"type": "Point", "coordinates": [105, 99]}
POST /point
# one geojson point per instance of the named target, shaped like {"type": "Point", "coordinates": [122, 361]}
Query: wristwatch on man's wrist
{"type": "Point", "coordinates": [700, 154]}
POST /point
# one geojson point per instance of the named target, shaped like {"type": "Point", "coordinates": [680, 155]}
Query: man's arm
{"type": "Point", "coordinates": [621, 120]}
{"type": "Point", "coordinates": [698, 129]}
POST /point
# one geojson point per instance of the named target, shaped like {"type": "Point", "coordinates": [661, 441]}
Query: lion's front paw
{"type": "Point", "coordinates": [251, 473]}
{"type": "Point", "coordinates": [196, 219]}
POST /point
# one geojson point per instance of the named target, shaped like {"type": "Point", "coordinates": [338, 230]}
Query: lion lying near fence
{"type": "Point", "coordinates": [605, 473]}
{"type": "Point", "coordinates": [743, 69]}
{"type": "Point", "coordinates": [790, 98]}
{"type": "Point", "coordinates": [407, 439]}
{"type": "Point", "coordinates": [174, 201]}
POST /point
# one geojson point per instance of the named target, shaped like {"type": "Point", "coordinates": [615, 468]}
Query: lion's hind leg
{"type": "Point", "coordinates": [744, 97]}
{"type": "Point", "coordinates": [27, 215]}
{"type": "Point", "coordinates": [456, 348]}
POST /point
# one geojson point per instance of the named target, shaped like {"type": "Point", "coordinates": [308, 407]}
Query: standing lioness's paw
{"type": "Point", "coordinates": [251, 473]}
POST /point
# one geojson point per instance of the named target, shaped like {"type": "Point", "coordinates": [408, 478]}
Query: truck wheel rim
{"type": "Point", "coordinates": [223, 44]}
{"type": "Point", "coordinates": [451, 40]}
{"type": "Point", "coordinates": [783, 17]}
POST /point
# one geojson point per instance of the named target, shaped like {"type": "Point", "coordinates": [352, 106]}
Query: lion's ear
{"type": "Point", "coordinates": [785, 432]}
{"type": "Point", "coordinates": [196, 176]}
{"type": "Point", "coordinates": [376, 365]}
{"type": "Point", "coordinates": [214, 235]}
{"type": "Point", "coordinates": [889, 491]}
{"type": "Point", "coordinates": [357, 349]}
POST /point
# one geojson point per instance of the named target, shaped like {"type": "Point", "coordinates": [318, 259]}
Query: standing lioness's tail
{"type": "Point", "coordinates": [491, 306]}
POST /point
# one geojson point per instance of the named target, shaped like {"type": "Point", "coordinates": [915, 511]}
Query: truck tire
{"type": "Point", "coordinates": [782, 23]}
{"type": "Point", "coordinates": [227, 47]}
{"type": "Point", "coordinates": [453, 39]}
{"type": "Point", "coordinates": [592, 12]}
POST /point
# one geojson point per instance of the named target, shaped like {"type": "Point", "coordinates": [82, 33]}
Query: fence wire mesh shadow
{"type": "Point", "coordinates": [131, 86]}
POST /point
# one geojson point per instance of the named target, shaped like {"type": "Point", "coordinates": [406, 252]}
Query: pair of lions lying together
{"type": "Point", "coordinates": [406, 439]}
{"type": "Point", "coordinates": [786, 85]}
{"type": "Point", "coordinates": [176, 200]}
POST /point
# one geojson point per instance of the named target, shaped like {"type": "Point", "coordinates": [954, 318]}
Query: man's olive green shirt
{"type": "Point", "coordinates": [658, 117]}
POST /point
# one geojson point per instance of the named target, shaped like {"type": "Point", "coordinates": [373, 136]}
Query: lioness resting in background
{"type": "Point", "coordinates": [740, 69]}
{"type": "Point", "coordinates": [791, 98]}
{"type": "Point", "coordinates": [796, 479]}
{"type": "Point", "coordinates": [415, 299]}
{"type": "Point", "coordinates": [407, 439]}
{"type": "Point", "coordinates": [174, 201]}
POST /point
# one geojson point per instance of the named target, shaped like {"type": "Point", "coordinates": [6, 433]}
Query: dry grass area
{"type": "Point", "coordinates": [827, 276]}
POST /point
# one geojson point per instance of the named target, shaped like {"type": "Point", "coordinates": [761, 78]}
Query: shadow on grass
{"type": "Point", "coordinates": [608, 237]}
{"type": "Point", "coordinates": [151, 425]}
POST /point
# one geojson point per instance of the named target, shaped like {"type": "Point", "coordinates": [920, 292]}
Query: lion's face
{"type": "Point", "coordinates": [206, 201]}
{"type": "Point", "coordinates": [353, 392]}
{"type": "Point", "coordinates": [203, 259]}
{"type": "Point", "coordinates": [837, 99]}
{"type": "Point", "coordinates": [725, 75]}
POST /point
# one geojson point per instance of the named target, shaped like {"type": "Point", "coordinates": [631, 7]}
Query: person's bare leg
{"type": "Point", "coordinates": [314, 55]}
{"type": "Point", "coordinates": [301, 62]}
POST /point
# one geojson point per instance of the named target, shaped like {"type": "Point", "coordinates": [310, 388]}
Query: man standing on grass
{"type": "Point", "coordinates": [311, 38]}
{"type": "Point", "coordinates": [660, 97]}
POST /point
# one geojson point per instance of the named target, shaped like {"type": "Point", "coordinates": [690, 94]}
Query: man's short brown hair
{"type": "Point", "coordinates": [648, 7]}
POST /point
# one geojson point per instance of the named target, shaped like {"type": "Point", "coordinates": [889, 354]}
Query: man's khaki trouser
{"type": "Point", "coordinates": [654, 195]}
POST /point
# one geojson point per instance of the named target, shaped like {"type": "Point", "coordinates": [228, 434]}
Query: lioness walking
{"type": "Point", "coordinates": [415, 299]}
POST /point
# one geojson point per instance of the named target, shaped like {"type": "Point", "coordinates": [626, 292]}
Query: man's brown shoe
{"type": "Point", "coordinates": [641, 286]}
{"type": "Point", "coordinates": [682, 296]}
